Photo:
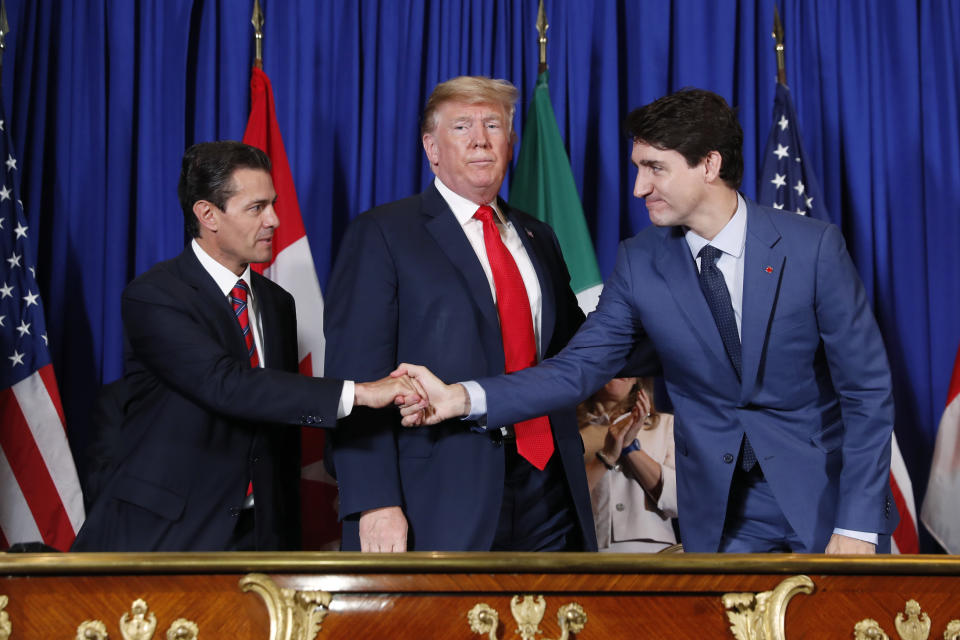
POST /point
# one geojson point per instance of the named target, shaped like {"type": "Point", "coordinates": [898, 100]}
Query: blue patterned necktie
{"type": "Point", "coordinates": [718, 297]}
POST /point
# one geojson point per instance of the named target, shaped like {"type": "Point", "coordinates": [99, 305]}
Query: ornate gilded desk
{"type": "Point", "coordinates": [491, 596]}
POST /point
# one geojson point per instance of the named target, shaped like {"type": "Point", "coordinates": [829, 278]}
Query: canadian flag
{"type": "Point", "coordinates": [293, 269]}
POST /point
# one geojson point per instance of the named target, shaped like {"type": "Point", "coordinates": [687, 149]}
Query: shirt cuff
{"type": "Point", "coordinates": [858, 535]}
{"type": "Point", "coordinates": [478, 402]}
{"type": "Point", "coordinates": [346, 400]}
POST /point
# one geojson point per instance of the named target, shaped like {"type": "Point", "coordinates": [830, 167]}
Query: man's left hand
{"type": "Point", "coordinates": [843, 544]}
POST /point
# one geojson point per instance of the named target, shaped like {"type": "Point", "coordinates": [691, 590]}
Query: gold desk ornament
{"type": "Point", "coordinates": [528, 613]}
{"type": "Point", "coordinates": [911, 624]}
{"type": "Point", "coordinates": [915, 625]}
{"type": "Point", "coordinates": [92, 630]}
{"type": "Point", "coordinates": [760, 616]}
{"type": "Point", "coordinates": [869, 629]}
{"type": "Point", "coordinates": [572, 619]}
{"type": "Point", "coordinates": [141, 624]}
{"type": "Point", "coordinates": [294, 615]}
{"type": "Point", "coordinates": [6, 627]}
{"type": "Point", "coordinates": [484, 619]}
{"type": "Point", "coordinates": [183, 629]}
{"type": "Point", "coordinates": [952, 632]}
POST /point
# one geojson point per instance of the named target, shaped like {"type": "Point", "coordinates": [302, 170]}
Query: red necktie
{"type": "Point", "coordinates": [238, 296]}
{"type": "Point", "coordinates": [534, 440]}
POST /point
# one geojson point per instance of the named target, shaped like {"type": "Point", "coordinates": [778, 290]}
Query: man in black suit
{"type": "Point", "coordinates": [202, 460]}
{"type": "Point", "coordinates": [455, 278]}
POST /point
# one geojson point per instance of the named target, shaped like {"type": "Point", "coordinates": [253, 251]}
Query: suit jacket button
{"type": "Point", "coordinates": [728, 458]}
{"type": "Point", "coordinates": [620, 506]}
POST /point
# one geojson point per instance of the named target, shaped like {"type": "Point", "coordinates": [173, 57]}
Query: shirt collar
{"type": "Point", "coordinates": [731, 238]}
{"type": "Point", "coordinates": [226, 280]}
{"type": "Point", "coordinates": [463, 209]}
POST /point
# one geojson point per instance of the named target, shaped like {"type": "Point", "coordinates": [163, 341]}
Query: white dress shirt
{"type": "Point", "coordinates": [464, 210]}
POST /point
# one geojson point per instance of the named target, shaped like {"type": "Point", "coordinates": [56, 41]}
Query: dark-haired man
{"type": "Point", "coordinates": [770, 352]}
{"type": "Point", "coordinates": [203, 460]}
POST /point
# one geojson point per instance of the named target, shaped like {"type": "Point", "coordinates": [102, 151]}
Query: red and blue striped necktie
{"type": "Point", "coordinates": [238, 295]}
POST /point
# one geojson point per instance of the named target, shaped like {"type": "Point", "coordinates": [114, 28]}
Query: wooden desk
{"type": "Point", "coordinates": [273, 596]}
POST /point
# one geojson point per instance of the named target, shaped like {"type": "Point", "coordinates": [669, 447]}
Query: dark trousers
{"type": "Point", "coordinates": [537, 513]}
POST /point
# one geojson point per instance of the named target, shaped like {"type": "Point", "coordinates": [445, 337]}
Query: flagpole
{"type": "Point", "coordinates": [257, 21]}
{"type": "Point", "coordinates": [5, 29]}
{"type": "Point", "coordinates": [542, 27]}
{"type": "Point", "coordinates": [779, 47]}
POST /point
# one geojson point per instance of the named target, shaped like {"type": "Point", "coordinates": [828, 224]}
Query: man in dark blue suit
{"type": "Point", "coordinates": [768, 347]}
{"type": "Point", "coordinates": [202, 459]}
{"type": "Point", "coordinates": [457, 279]}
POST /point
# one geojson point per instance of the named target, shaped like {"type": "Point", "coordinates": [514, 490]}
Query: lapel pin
{"type": "Point", "coordinates": [529, 233]}
{"type": "Point", "coordinates": [768, 269]}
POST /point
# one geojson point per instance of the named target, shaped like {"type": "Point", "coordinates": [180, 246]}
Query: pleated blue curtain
{"type": "Point", "coordinates": [104, 95]}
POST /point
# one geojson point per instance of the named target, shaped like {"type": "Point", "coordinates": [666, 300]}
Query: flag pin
{"type": "Point", "coordinates": [768, 269]}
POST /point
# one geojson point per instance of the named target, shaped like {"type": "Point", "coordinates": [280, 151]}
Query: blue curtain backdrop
{"type": "Point", "coordinates": [104, 95]}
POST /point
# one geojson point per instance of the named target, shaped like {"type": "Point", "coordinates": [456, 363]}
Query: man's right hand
{"type": "Point", "coordinates": [399, 390]}
{"type": "Point", "coordinates": [383, 530]}
{"type": "Point", "coordinates": [442, 401]}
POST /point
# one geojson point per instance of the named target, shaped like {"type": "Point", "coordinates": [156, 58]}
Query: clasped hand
{"type": "Point", "coordinates": [434, 402]}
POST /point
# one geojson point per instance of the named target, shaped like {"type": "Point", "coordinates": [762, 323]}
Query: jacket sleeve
{"type": "Point", "coordinates": [173, 339]}
{"type": "Point", "coordinates": [860, 374]}
{"type": "Point", "coordinates": [360, 323]}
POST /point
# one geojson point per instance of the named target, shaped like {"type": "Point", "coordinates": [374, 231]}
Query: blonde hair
{"type": "Point", "coordinates": [471, 90]}
{"type": "Point", "coordinates": [624, 406]}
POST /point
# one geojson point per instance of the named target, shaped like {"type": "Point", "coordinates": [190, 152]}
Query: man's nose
{"type": "Point", "coordinates": [270, 218]}
{"type": "Point", "coordinates": [642, 187]}
{"type": "Point", "coordinates": [481, 138]}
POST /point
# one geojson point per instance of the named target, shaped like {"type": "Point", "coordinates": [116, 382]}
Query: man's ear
{"type": "Point", "coordinates": [206, 213]}
{"type": "Point", "coordinates": [712, 163]}
{"type": "Point", "coordinates": [430, 148]}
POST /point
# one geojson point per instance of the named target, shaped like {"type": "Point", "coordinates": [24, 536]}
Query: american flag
{"type": "Point", "coordinates": [787, 182]}
{"type": "Point", "coordinates": [40, 497]}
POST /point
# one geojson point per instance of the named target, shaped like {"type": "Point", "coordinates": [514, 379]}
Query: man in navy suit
{"type": "Point", "coordinates": [203, 460]}
{"type": "Point", "coordinates": [449, 277]}
{"type": "Point", "coordinates": [768, 347]}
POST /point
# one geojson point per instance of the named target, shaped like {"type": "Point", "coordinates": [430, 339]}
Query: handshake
{"type": "Point", "coordinates": [422, 397]}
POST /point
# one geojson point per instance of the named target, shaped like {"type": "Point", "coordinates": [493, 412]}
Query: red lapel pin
{"type": "Point", "coordinates": [768, 269]}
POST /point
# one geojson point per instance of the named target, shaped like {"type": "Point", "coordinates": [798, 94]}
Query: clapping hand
{"type": "Point", "coordinates": [623, 430]}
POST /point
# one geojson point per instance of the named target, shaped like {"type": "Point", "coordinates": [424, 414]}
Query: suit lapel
{"type": "Point", "coordinates": [762, 273]}
{"type": "Point", "coordinates": [443, 226]}
{"type": "Point", "coordinates": [267, 309]}
{"type": "Point", "coordinates": [548, 306]}
{"type": "Point", "coordinates": [676, 266]}
{"type": "Point", "coordinates": [215, 303]}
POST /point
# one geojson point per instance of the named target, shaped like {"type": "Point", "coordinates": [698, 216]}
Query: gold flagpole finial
{"type": "Point", "coordinates": [778, 38]}
{"type": "Point", "coordinates": [257, 21]}
{"type": "Point", "coordinates": [542, 27]}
